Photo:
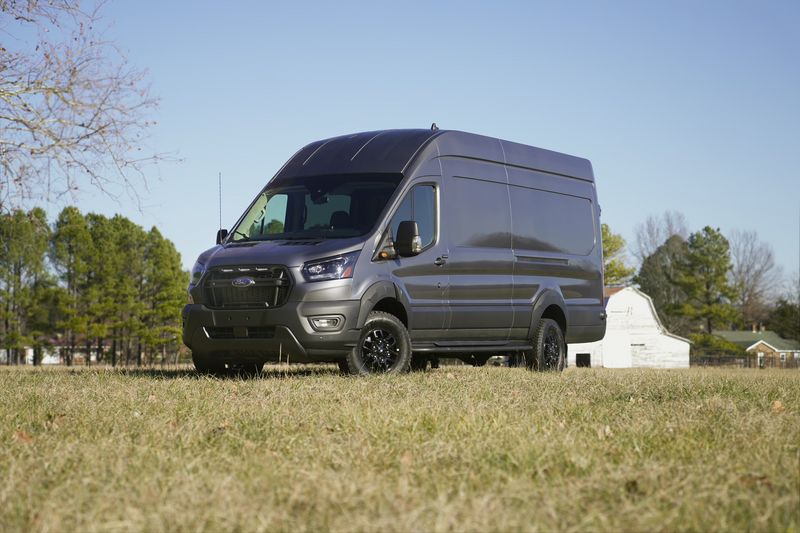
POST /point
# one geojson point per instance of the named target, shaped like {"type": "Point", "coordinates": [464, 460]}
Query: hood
{"type": "Point", "coordinates": [279, 252]}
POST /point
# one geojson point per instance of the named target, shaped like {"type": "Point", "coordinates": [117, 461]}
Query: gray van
{"type": "Point", "coordinates": [384, 250]}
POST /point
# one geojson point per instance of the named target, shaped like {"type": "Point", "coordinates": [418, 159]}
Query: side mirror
{"type": "Point", "coordinates": [408, 243]}
{"type": "Point", "coordinates": [221, 234]}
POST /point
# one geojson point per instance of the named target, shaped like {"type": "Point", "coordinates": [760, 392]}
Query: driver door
{"type": "Point", "coordinates": [423, 278]}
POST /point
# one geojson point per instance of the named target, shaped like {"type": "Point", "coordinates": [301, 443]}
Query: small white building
{"type": "Point", "coordinates": [48, 358]}
{"type": "Point", "coordinates": [634, 337]}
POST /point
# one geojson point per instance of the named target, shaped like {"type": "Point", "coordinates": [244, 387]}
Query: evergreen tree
{"type": "Point", "coordinates": [70, 251]}
{"type": "Point", "coordinates": [23, 243]}
{"type": "Point", "coordinates": [111, 285]}
{"type": "Point", "coordinates": [164, 295]}
{"type": "Point", "coordinates": [703, 275]}
{"type": "Point", "coordinates": [657, 278]}
{"type": "Point", "coordinates": [784, 319]}
{"type": "Point", "coordinates": [101, 264]}
{"type": "Point", "coordinates": [615, 271]}
{"type": "Point", "coordinates": [129, 249]}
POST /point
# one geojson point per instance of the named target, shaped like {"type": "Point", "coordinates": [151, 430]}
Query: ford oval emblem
{"type": "Point", "coordinates": [242, 282]}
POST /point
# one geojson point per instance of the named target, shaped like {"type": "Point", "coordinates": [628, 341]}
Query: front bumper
{"type": "Point", "coordinates": [269, 334]}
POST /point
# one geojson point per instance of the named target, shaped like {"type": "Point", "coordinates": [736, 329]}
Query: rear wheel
{"type": "Point", "coordinates": [384, 346]}
{"type": "Point", "coordinates": [479, 360]}
{"type": "Point", "coordinates": [549, 349]}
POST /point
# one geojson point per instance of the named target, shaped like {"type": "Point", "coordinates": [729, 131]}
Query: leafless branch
{"type": "Point", "coordinates": [73, 112]}
{"type": "Point", "coordinates": [754, 273]}
{"type": "Point", "coordinates": [656, 230]}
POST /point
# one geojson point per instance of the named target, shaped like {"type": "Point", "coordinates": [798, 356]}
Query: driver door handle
{"type": "Point", "coordinates": [439, 261]}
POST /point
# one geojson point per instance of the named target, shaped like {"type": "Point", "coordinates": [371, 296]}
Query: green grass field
{"type": "Point", "coordinates": [454, 449]}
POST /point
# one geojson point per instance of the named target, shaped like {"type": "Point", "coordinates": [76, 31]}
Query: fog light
{"type": "Point", "coordinates": [327, 323]}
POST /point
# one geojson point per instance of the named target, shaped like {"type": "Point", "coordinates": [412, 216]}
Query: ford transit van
{"type": "Point", "coordinates": [381, 251]}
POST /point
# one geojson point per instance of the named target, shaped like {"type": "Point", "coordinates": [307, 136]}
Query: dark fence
{"type": "Point", "coordinates": [753, 361]}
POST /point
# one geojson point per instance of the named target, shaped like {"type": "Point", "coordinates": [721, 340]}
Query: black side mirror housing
{"type": "Point", "coordinates": [221, 234]}
{"type": "Point", "coordinates": [408, 242]}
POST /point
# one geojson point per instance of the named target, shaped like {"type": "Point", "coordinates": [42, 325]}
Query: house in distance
{"type": "Point", "coordinates": [635, 337]}
{"type": "Point", "coordinates": [769, 348]}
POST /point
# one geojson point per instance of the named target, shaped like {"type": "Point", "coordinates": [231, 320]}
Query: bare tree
{"type": "Point", "coordinates": [73, 113]}
{"type": "Point", "coordinates": [754, 274]}
{"type": "Point", "coordinates": [656, 230]}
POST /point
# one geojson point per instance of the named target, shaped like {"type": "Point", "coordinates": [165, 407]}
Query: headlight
{"type": "Point", "coordinates": [340, 267]}
{"type": "Point", "coordinates": [197, 272]}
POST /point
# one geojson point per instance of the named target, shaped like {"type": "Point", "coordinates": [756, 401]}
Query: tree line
{"type": "Point", "coordinates": [703, 282]}
{"type": "Point", "coordinates": [88, 284]}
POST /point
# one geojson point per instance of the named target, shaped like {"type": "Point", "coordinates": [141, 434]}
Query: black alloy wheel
{"type": "Point", "coordinates": [379, 350]}
{"type": "Point", "coordinates": [384, 346]}
{"type": "Point", "coordinates": [549, 348]}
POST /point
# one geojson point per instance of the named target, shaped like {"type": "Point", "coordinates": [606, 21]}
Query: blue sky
{"type": "Point", "coordinates": [687, 106]}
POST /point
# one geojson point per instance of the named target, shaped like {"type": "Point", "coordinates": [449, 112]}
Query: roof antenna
{"type": "Point", "coordinates": [434, 127]}
{"type": "Point", "coordinates": [220, 200]}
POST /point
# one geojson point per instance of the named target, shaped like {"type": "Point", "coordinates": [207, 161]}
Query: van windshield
{"type": "Point", "coordinates": [319, 207]}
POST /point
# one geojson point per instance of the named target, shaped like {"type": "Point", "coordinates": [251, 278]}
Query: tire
{"type": "Point", "coordinates": [419, 363]}
{"type": "Point", "coordinates": [384, 346]}
{"type": "Point", "coordinates": [245, 370]}
{"type": "Point", "coordinates": [479, 360]}
{"type": "Point", "coordinates": [206, 365]}
{"type": "Point", "coordinates": [549, 349]}
{"type": "Point", "coordinates": [520, 360]}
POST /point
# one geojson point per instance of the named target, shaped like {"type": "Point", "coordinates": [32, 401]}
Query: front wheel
{"type": "Point", "coordinates": [384, 346]}
{"type": "Point", "coordinates": [207, 365]}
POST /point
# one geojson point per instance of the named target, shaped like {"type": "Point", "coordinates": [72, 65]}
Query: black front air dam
{"type": "Point", "coordinates": [270, 334]}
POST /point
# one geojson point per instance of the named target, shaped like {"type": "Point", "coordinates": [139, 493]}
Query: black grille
{"type": "Point", "coordinates": [247, 287]}
{"type": "Point", "coordinates": [241, 333]}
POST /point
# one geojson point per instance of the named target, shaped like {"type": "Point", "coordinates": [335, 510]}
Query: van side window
{"type": "Point", "coordinates": [418, 205]}
{"type": "Point", "coordinates": [551, 222]}
{"type": "Point", "coordinates": [481, 213]}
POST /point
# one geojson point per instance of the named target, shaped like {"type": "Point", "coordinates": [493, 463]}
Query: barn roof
{"type": "Point", "coordinates": [608, 292]}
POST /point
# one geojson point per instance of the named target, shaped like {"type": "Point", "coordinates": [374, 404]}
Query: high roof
{"type": "Point", "coordinates": [746, 339]}
{"type": "Point", "coordinates": [395, 151]}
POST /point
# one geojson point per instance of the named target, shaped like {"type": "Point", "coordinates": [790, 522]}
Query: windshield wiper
{"type": "Point", "coordinates": [244, 237]}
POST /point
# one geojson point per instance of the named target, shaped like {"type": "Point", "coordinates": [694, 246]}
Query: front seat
{"type": "Point", "coordinates": [340, 220]}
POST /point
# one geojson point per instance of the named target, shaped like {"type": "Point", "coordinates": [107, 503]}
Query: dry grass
{"type": "Point", "coordinates": [453, 449]}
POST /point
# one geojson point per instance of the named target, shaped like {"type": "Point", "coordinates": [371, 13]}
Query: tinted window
{"type": "Point", "coordinates": [271, 221]}
{"type": "Point", "coordinates": [547, 221]}
{"type": "Point", "coordinates": [317, 207]}
{"type": "Point", "coordinates": [480, 212]}
{"type": "Point", "coordinates": [418, 205]}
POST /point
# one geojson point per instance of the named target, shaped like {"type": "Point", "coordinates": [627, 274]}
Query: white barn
{"type": "Point", "coordinates": [634, 337]}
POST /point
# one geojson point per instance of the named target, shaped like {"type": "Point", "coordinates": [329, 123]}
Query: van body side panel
{"type": "Point", "coordinates": [480, 264]}
{"type": "Point", "coordinates": [555, 246]}
{"type": "Point", "coordinates": [532, 158]}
